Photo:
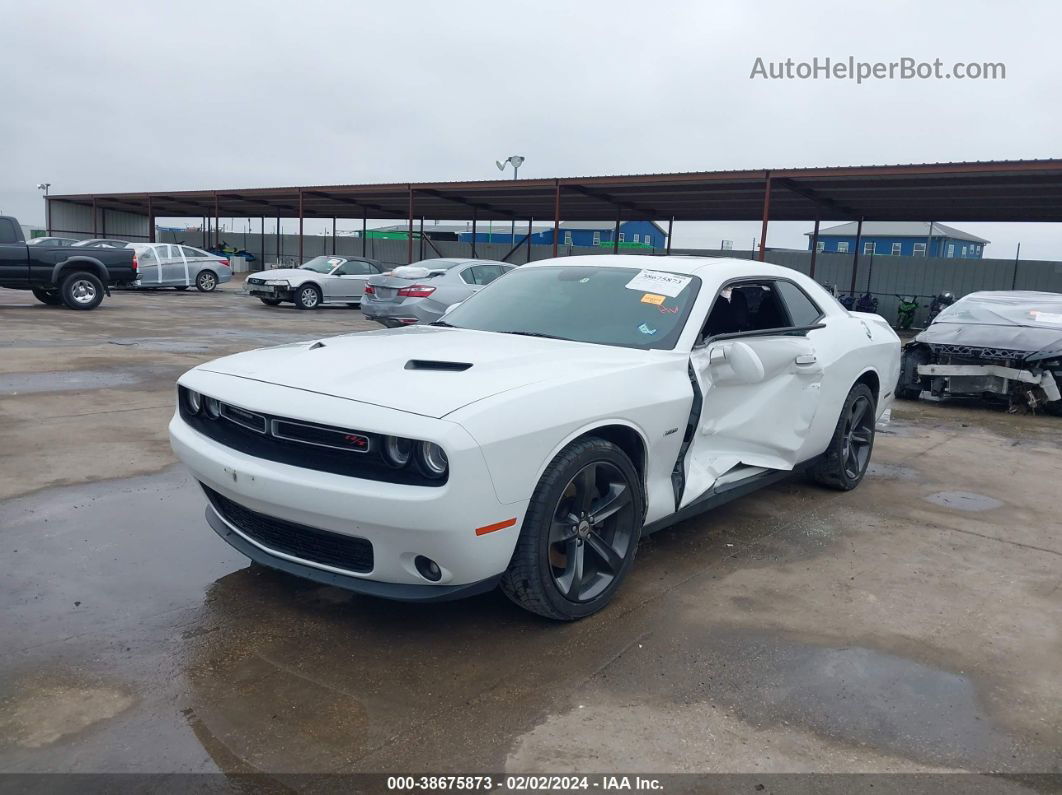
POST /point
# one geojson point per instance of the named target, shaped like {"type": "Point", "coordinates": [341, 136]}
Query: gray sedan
{"type": "Point", "coordinates": [323, 280]}
{"type": "Point", "coordinates": [421, 292]}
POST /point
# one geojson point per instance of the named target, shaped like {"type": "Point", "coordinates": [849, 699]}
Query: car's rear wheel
{"type": "Point", "coordinates": [308, 297]}
{"type": "Point", "coordinates": [206, 281]}
{"type": "Point", "coordinates": [580, 532]}
{"type": "Point", "coordinates": [49, 297]}
{"type": "Point", "coordinates": [270, 301]}
{"type": "Point", "coordinates": [181, 287]}
{"type": "Point", "coordinates": [845, 461]}
{"type": "Point", "coordinates": [81, 291]}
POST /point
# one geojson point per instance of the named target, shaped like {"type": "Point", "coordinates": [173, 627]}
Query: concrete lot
{"type": "Point", "coordinates": [901, 627]}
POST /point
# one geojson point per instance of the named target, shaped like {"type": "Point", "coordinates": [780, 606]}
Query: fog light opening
{"type": "Point", "coordinates": [428, 568]}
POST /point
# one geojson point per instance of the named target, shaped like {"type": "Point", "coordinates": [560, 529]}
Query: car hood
{"type": "Point", "coordinates": [421, 369]}
{"type": "Point", "coordinates": [292, 275]}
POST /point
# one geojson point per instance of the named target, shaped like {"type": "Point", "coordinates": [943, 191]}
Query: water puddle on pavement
{"type": "Point", "coordinates": [964, 501]}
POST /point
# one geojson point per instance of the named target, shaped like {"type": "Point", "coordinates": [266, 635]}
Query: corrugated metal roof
{"type": "Point", "coordinates": [1018, 190]}
{"type": "Point", "coordinates": [898, 229]}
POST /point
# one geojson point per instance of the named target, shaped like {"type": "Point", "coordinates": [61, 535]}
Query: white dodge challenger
{"type": "Point", "coordinates": [531, 437]}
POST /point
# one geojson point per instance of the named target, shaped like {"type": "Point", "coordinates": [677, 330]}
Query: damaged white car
{"type": "Point", "coordinates": [1003, 346]}
{"type": "Point", "coordinates": [532, 436]}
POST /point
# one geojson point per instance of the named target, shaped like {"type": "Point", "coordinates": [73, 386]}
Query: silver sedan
{"type": "Point", "coordinates": [421, 292]}
{"type": "Point", "coordinates": [323, 280]}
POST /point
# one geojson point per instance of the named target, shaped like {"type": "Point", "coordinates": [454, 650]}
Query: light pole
{"type": "Point", "coordinates": [47, 206]}
{"type": "Point", "coordinates": [516, 161]}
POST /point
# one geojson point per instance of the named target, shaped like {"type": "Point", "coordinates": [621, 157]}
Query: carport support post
{"type": "Point", "coordinates": [814, 248]}
{"type": "Point", "coordinates": [217, 218]}
{"type": "Point", "coordinates": [766, 215]}
{"type": "Point", "coordinates": [300, 226]}
{"type": "Point", "coordinates": [151, 221]}
{"type": "Point", "coordinates": [420, 252]}
{"type": "Point", "coordinates": [670, 226]}
{"type": "Point", "coordinates": [261, 248]}
{"type": "Point", "coordinates": [475, 218]}
{"type": "Point", "coordinates": [615, 232]}
{"type": "Point", "coordinates": [409, 233]}
{"type": "Point", "coordinates": [530, 221]}
{"type": "Point", "coordinates": [364, 230]}
{"type": "Point", "coordinates": [94, 214]}
{"type": "Point", "coordinates": [855, 256]}
{"type": "Point", "coordinates": [333, 235]}
{"type": "Point", "coordinates": [556, 216]}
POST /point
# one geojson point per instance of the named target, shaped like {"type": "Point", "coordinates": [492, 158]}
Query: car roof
{"type": "Point", "coordinates": [727, 266]}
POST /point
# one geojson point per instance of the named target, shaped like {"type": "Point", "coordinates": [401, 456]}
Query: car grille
{"type": "Point", "coordinates": [347, 553]}
{"type": "Point", "coordinates": [324, 448]}
{"type": "Point", "coordinates": [971, 352]}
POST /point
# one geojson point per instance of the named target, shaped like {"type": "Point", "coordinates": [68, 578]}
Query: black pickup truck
{"type": "Point", "coordinates": [75, 277]}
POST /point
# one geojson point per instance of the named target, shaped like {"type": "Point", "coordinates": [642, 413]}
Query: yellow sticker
{"type": "Point", "coordinates": [650, 298]}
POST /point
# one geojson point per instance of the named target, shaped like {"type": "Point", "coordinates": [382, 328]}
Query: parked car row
{"type": "Point", "coordinates": [416, 293]}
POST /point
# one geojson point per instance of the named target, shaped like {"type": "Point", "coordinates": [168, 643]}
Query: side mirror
{"type": "Point", "coordinates": [735, 363]}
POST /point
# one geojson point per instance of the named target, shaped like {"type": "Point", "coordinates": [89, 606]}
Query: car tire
{"type": "Point", "coordinates": [81, 290]}
{"type": "Point", "coordinates": [206, 281]}
{"type": "Point", "coordinates": [560, 540]}
{"type": "Point", "coordinates": [270, 301]}
{"type": "Point", "coordinates": [49, 297]}
{"type": "Point", "coordinates": [181, 287]}
{"type": "Point", "coordinates": [308, 297]}
{"type": "Point", "coordinates": [354, 306]}
{"type": "Point", "coordinates": [845, 461]}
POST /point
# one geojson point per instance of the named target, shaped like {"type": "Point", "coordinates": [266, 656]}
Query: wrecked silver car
{"type": "Point", "coordinates": [1004, 346]}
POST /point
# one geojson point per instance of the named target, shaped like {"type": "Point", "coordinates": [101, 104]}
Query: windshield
{"type": "Point", "coordinates": [609, 306]}
{"type": "Point", "coordinates": [322, 264]}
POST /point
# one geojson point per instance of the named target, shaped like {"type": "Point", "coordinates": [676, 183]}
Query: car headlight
{"type": "Point", "coordinates": [213, 408]}
{"type": "Point", "coordinates": [431, 459]}
{"type": "Point", "coordinates": [276, 283]}
{"type": "Point", "coordinates": [397, 451]}
{"type": "Point", "coordinates": [193, 401]}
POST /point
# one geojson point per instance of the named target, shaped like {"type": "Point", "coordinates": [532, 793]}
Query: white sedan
{"type": "Point", "coordinates": [537, 432]}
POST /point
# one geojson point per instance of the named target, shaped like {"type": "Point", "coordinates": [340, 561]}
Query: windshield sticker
{"type": "Point", "coordinates": [334, 261]}
{"type": "Point", "coordinates": [649, 298]}
{"type": "Point", "coordinates": [644, 328]}
{"type": "Point", "coordinates": [1054, 318]}
{"type": "Point", "coordinates": [668, 310]}
{"type": "Point", "coordinates": [668, 284]}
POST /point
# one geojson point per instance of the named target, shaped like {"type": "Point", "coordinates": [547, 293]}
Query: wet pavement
{"type": "Point", "coordinates": [911, 625]}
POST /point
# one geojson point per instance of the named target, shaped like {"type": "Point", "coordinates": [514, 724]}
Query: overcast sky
{"type": "Point", "coordinates": [112, 96]}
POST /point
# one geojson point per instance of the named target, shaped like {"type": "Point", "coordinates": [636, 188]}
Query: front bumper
{"type": "Point", "coordinates": [400, 521]}
{"type": "Point", "coordinates": [383, 590]}
{"type": "Point", "coordinates": [273, 292]}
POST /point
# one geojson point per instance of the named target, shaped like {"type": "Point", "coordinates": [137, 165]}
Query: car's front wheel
{"type": "Point", "coordinates": [845, 461]}
{"type": "Point", "coordinates": [270, 301]}
{"type": "Point", "coordinates": [308, 297]}
{"type": "Point", "coordinates": [580, 533]}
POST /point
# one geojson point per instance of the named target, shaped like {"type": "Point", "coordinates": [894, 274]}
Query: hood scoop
{"type": "Point", "coordinates": [433, 364]}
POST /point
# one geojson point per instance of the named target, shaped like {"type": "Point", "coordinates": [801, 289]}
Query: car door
{"type": "Point", "coordinates": [149, 266]}
{"type": "Point", "coordinates": [193, 259]}
{"type": "Point", "coordinates": [759, 381]}
{"type": "Point", "coordinates": [350, 277]}
{"type": "Point", "coordinates": [14, 255]}
{"type": "Point", "coordinates": [171, 265]}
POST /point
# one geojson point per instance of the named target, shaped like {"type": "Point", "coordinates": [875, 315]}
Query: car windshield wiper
{"type": "Point", "coordinates": [442, 323]}
{"type": "Point", "coordinates": [538, 334]}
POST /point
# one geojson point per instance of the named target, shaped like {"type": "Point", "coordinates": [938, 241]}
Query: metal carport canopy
{"type": "Point", "coordinates": [1018, 190]}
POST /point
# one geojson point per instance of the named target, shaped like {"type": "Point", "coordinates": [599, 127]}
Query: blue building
{"type": "Point", "coordinates": [576, 233]}
{"type": "Point", "coordinates": [901, 239]}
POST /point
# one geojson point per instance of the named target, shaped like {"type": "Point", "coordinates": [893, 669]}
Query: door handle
{"type": "Point", "coordinates": [805, 359]}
